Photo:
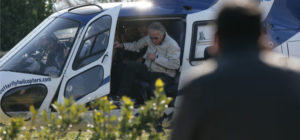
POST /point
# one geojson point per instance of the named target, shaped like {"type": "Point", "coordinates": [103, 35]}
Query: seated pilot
{"type": "Point", "coordinates": [56, 56]}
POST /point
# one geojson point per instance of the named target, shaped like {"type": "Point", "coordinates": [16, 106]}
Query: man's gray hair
{"type": "Point", "coordinates": [157, 26]}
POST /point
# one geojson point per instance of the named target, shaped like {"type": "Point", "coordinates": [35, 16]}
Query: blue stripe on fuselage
{"type": "Point", "coordinates": [105, 81]}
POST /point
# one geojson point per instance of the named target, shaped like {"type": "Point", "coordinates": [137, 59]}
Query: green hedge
{"type": "Point", "coordinates": [105, 126]}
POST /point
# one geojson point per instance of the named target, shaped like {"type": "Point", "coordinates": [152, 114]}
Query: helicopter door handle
{"type": "Point", "coordinates": [106, 55]}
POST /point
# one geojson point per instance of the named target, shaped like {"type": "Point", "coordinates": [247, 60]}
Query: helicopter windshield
{"type": "Point", "coordinates": [47, 52]}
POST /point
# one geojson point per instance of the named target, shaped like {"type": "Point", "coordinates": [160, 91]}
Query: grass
{"type": "Point", "coordinates": [74, 136]}
{"type": "Point", "coordinates": [86, 135]}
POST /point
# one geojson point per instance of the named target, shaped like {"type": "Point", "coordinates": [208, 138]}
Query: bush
{"type": "Point", "coordinates": [129, 125]}
{"type": "Point", "coordinates": [12, 130]}
{"type": "Point", "coordinates": [58, 125]}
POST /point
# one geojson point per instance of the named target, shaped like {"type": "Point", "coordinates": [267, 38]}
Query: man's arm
{"type": "Point", "coordinates": [171, 60]}
{"type": "Point", "coordinates": [137, 45]}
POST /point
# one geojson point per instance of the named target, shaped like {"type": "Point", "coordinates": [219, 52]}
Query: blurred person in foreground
{"type": "Point", "coordinates": [247, 96]}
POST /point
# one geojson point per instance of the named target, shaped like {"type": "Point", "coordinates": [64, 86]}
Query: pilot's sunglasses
{"type": "Point", "coordinates": [154, 38]}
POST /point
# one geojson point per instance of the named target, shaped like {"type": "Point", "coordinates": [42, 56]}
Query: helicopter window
{"type": "Point", "coordinates": [47, 52]}
{"type": "Point", "coordinates": [94, 43]}
{"type": "Point", "coordinates": [78, 87]}
{"type": "Point", "coordinates": [202, 38]}
{"type": "Point", "coordinates": [65, 36]}
{"type": "Point", "coordinates": [17, 101]}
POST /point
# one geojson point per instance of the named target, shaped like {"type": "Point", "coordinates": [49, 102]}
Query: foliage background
{"type": "Point", "coordinates": [19, 17]}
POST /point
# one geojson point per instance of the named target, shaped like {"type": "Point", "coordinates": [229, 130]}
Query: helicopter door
{"type": "Point", "coordinates": [199, 36]}
{"type": "Point", "coordinates": [88, 74]}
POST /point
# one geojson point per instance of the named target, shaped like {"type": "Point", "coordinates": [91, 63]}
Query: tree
{"type": "Point", "coordinates": [19, 17]}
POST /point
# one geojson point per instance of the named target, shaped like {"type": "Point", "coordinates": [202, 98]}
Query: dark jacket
{"type": "Point", "coordinates": [243, 99]}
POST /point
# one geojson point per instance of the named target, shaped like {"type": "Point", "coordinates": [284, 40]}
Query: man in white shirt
{"type": "Point", "coordinates": [161, 59]}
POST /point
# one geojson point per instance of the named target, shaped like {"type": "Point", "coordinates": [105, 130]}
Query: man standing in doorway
{"type": "Point", "coordinates": [161, 59]}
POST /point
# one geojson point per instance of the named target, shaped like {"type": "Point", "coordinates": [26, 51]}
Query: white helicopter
{"type": "Point", "coordinates": [30, 74]}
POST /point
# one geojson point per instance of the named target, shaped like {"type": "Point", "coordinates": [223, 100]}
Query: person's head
{"type": "Point", "coordinates": [143, 30]}
{"type": "Point", "coordinates": [238, 27]}
{"type": "Point", "coordinates": [48, 43]}
{"type": "Point", "coordinates": [156, 32]}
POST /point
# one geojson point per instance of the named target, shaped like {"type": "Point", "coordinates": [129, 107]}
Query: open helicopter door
{"type": "Point", "coordinates": [88, 74]}
{"type": "Point", "coordinates": [199, 36]}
